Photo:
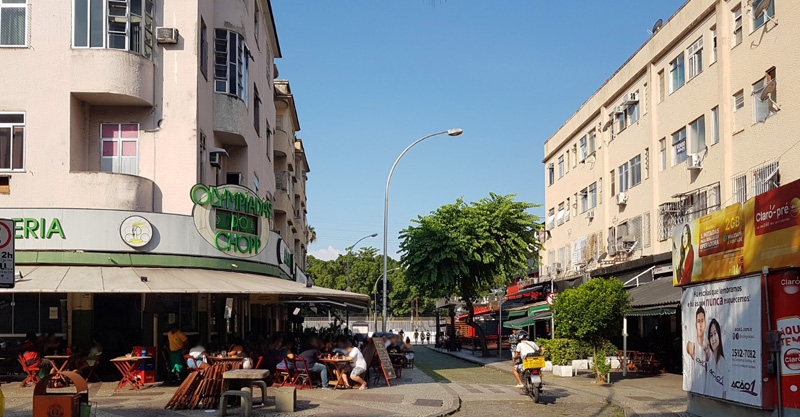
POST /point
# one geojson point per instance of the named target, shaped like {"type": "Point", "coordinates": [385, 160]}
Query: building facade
{"type": "Point", "coordinates": [692, 122]}
{"type": "Point", "coordinates": [139, 164]}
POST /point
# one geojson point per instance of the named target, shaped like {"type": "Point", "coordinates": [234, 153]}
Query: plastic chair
{"type": "Point", "coordinates": [302, 377]}
{"type": "Point", "coordinates": [31, 372]}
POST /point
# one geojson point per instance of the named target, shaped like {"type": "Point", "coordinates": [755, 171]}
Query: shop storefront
{"type": "Point", "coordinates": [128, 276]}
{"type": "Point", "coordinates": [739, 307]}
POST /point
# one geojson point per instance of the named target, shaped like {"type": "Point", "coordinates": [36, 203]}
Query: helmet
{"type": "Point", "coordinates": [522, 334]}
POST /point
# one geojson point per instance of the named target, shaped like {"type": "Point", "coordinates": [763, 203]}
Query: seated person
{"type": "Point", "coordinates": [359, 367]}
{"type": "Point", "coordinates": [91, 358]}
{"type": "Point", "coordinates": [283, 353]}
{"type": "Point", "coordinates": [311, 353]}
{"type": "Point", "coordinates": [198, 357]}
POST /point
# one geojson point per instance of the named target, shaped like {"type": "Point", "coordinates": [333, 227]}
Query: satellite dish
{"type": "Point", "coordinates": [657, 26]}
{"type": "Point", "coordinates": [762, 8]}
{"type": "Point", "coordinates": [769, 90]}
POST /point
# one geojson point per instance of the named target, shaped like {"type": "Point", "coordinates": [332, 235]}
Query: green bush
{"type": "Point", "coordinates": [563, 351]}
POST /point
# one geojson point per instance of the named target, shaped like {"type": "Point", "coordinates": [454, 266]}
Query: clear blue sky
{"type": "Point", "coordinates": [370, 77]}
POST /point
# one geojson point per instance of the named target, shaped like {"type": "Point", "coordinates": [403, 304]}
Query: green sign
{"type": "Point", "coordinates": [37, 228]}
{"type": "Point", "coordinates": [237, 219]}
{"type": "Point", "coordinates": [231, 200]}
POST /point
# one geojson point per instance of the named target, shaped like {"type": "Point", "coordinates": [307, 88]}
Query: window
{"type": "Point", "coordinates": [762, 109]}
{"type": "Point", "coordinates": [13, 22]}
{"type": "Point", "coordinates": [566, 164]}
{"type": "Point", "coordinates": [584, 149]}
{"type": "Point", "coordinates": [715, 125]}
{"type": "Point", "coordinates": [120, 148]}
{"type": "Point", "coordinates": [612, 188]}
{"type": "Point", "coordinates": [203, 49]}
{"type": "Point", "coordinates": [12, 141]}
{"type": "Point", "coordinates": [695, 58]}
{"type": "Point", "coordinates": [676, 73]}
{"type": "Point", "coordinates": [697, 135]}
{"type": "Point", "coordinates": [269, 140]}
{"type": "Point", "coordinates": [575, 153]}
{"type": "Point", "coordinates": [623, 177]}
{"type": "Point", "coordinates": [255, 183]}
{"type": "Point", "coordinates": [738, 100]}
{"type": "Point", "coordinates": [256, 12]}
{"type": "Point", "coordinates": [679, 147]}
{"type": "Point", "coordinates": [114, 24]}
{"type": "Point", "coordinates": [622, 121]}
{"type": "Point", "coordinates": [592, 195]}
{"type": "Point", "coordinates": [568, 209]}
{"type": "Point", "coordinates": [584, 200]}
{"type": "Point", "coordinates": [662, 88]}
{"type": "Point", "coordinates": [737, 25]}
{"type": "Point", "coordinates": [740, 188]}
{"type": "Point", "coordinates": [201, 158]}
{"type": "Point", "coordinates": [230, 64]}
{"type": "Point", "coordinates": [560, 166]}
{"type": "Point", "coordinates": [551, 174]}
{"type": "Point", "coordinates": [714, 44]}
{"type": "Point", "coordinates": [633, 113]}
{"type": "Point", "coordinates": [662, 154]}
{"type": "Point", "coordinates": [560, 215]}
{"type": "Point", "coordinates": [256, 110]}
{"type": "Point", "coordinates": [765, 178]}
{"type": "Point", "coordinates": [636, 170]}
{"type": "Point", "coordinates": [551, 219]}
{"type": "Point", "coordinates": [760, 20]}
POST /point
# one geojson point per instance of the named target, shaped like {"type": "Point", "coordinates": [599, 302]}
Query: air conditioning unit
{"type": "Point", "coordinates": [590, 214]}
{"type": "Point", "coordinates": [558, 267]}
{"type": "Point", "coordinates": [619, 110]}
{"type": "Point", "coordinates": [577, 269]}
{"type": "Point", "coordinates": [622, 198]}
{"type": "Point", "coordinates": [215, 156]}
{"type": "Point", "coordinates": [631, 98]}
{"type": "Point", "coordinates": [167, 35]}
{"type": "Point", "coordinates": [695, 161]}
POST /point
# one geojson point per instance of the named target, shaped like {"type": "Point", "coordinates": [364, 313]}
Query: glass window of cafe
{"type": "Point", "coordinates": [39, 313]}
{"type": "Point", "coordinates": [178, 309]}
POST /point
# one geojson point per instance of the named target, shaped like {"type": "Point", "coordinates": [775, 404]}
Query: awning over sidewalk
{"type": "Point", "coordinates": [528, 321]}
{"type": "Point", "coordinates": [645, 312]}
{"type": "Point", "coordinates": [655, 298]}
{"type": "Point", "coordinates": [478, 312]}
{"type": "Point", "coordinates": [94, 279]}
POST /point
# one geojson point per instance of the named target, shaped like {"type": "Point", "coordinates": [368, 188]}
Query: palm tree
{"type": "Point", "coordinates": [312, 235]}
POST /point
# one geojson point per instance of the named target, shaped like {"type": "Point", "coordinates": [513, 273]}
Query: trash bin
{"type": "Point", "coordinates": [61, 404]}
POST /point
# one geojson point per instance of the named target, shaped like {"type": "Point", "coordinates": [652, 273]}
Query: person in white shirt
{"type": "Point", "coordinates": [524, 348]}
{"type": "Point", "coordinates": [197, 358]}
{"type": "Point", "coordinates": [359, 367]}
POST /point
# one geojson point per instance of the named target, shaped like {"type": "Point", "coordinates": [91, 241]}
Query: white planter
{"type": "Point", "coordinates": [562, 371]}
{"type": "Point", "coordinates": [580, 364]}
{"type": "Point", "coordinates": [613, 361]}
{"type": "Point", "coordinates": [548, 366]}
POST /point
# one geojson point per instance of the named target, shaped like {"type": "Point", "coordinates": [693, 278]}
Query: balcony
{"type": "Point", "coordinates": [230, 120]}
{"type": "Point", "coordinates": [281, 147]}
{"type": "Point", "coordinates": [106, 190]}
{"type": "Point", "coordinates": [111, 77]}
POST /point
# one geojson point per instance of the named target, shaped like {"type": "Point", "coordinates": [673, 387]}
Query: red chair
{"type": "Point", "coordinates": [258, 362]}
{"type": "Point", "coordinates": [32, 371]}
{"type": "Point", "coordinates": [284, 376]}
{"type": "Point", "coordinates": [302, 377]}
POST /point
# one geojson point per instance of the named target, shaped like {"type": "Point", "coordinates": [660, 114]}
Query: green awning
{"type": "Point", "coordinates": [518, 313]}
{"type": "Point", "coordinates": [541, 307]}
{"type": "Point", "coordinates": [527, 321]}
{"type": "Point", "coordinates": [657, 311]}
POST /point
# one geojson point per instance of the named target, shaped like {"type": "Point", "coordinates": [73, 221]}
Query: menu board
{"type": "Point", "coordinates": [383, 355]}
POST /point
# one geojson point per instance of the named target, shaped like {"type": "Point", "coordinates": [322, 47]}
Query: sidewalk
{"type": "Point", "coordinates": [416, 394]}
{"type": "Point", "coordinates": [639, 395]}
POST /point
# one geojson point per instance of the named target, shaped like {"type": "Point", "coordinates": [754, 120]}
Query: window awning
{"type": "Point", "coordinates": [97, 279]}
{"type": "Point", "coordinates": [518, 313]}
{"type": "Point", "coordinates": [662, 311]}
{"type": "Point", "coordinates": [478, 312]}
{"type": "Point", "coordinates": [528, 321]}
{"type": "Point", "coordinates": [542, 306]}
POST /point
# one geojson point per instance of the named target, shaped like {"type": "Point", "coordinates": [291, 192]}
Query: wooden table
{"type": "Point", "coordinates": [228, 363]}
{"type": "Point", "coordinates": [338, 365]}
{"type": "Point", "coordinates": [127, 366]}
{"type": "Point", "coordinates": [60, 362]}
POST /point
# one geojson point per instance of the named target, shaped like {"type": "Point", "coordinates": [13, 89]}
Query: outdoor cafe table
{"type": "Point", "coordinates": [127, 366]}
{"type": "Point", "coordinates": [244, 378]}
{"type": "Point", "coordinates": [339, 365]}
{"type": "Point", "coordinates": [60, 362]}
{"type": "Point", "coordinates": [229, 363]}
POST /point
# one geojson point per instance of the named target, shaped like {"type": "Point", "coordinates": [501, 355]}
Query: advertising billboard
{"type": "Point", "coordinates": [784, 292]}
{"type": "Point", "coordinates": [722, 351]}
{"type": "Point", "coordinates": [739, 239]}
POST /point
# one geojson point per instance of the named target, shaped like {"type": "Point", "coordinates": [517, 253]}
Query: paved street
{"type": "Point", "coordinates": [485, 391]}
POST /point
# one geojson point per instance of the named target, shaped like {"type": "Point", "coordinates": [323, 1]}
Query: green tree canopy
{"type": "Point", "coordinates": [464, 250]}
{"type": "Point", "coordinates": [593, 313]}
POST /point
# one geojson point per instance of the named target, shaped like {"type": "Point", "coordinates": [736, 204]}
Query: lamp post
{"type": "Point", "coordinates": [375, 292]}
{"type": "Point", "coordinates": [347, 259]}
{"type": "Point", "coordinates": [450, 132]}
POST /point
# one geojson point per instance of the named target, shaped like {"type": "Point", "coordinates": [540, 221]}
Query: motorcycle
{"type": "Point", "coordinates": [532, 366]}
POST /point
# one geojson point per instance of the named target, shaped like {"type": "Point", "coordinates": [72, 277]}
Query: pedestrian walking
{"type": "Point", "coordinates": [427, 337]}
{"type": "Point", "coordinates": [416, 336]}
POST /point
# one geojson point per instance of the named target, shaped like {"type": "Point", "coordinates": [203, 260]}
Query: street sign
{"type": "Point", "coordinates": [551, 298]}
{"type": "Point", "coordinates": [6, 253]}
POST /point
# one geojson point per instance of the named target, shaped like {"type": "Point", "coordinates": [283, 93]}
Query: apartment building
{"type": "Point", "coordinates": [139, 148]}
{"type": "Point", "coordinates": [700, 117]}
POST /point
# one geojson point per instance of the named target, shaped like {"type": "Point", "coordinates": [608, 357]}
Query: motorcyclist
{"type": "Point", "coordinates": [524, 347]}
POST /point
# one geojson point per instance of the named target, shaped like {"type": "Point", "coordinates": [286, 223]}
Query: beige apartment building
{"type": "Point", "coordinates": [703, 115]}
{"type": "Point", "coordinates": [139, 150]}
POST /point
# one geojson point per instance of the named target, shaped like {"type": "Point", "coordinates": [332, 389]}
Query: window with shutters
{"type": "Point", "coordinates": [738, 100]}
{"type": "Point", "coordinates": [646, 238]}
{"type": "Point", "coordinates": [737, 25]}
{"type": "Point", "coordinates": [740, 188]}
{"type": "Point", "coordinates": [203, 49]}
{"type": "Point", "coordinates": [695, 53]}
{"type": "Point", "coordinates": [230, 64]}
{"type": "Point", "coordinates": [715, 125]}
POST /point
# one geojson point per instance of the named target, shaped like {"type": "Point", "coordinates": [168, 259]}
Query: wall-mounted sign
{"type": "Point", "coordinates": [136, 231]}
{"type": "Point", "coordinates": [232, 218]}
{"type": "Point", "coordinates": [7, 264]}
{"type": "Point", "coordinates": [27, 228]}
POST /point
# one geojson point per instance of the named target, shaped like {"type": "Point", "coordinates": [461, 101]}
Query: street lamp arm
{"type": "Point", "coordinates": [347, 257]}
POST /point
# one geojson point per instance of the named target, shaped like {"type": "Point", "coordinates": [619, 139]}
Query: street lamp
{"type": "Point", "coordinates": [347, 259]}
{"type": "Point", "coordinates": [375, 292]}
{"type": "Point", "coordinates": [450, 132]}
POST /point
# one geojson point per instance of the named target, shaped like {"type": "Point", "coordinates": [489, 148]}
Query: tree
{"type": "Point", "coordinates": [465, 250]}
{"type": "Point", "coordinates": [592, 313]}
{"type": "Point", "coordinates": [312, 235]}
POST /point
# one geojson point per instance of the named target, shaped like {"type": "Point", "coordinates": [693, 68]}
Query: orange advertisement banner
{"type": "Point", "coordinates": [740, 239]}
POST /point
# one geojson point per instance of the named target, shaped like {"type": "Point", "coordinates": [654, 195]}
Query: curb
{"type": "Point", "coordinates": [456, 400]}
{"type": "Point", "coordinates": [627, 410]}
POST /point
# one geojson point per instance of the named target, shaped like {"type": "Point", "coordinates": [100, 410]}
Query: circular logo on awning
{"type": "Point", "coordinates": [136, 231]}
{"type": "Point", "coordinates": [232, 218]}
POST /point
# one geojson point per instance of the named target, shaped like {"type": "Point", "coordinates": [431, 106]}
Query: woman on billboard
{"type": "Point", "coordinates": [686, 264]}
{"type": "Point", "coordinates": [715, 380]}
